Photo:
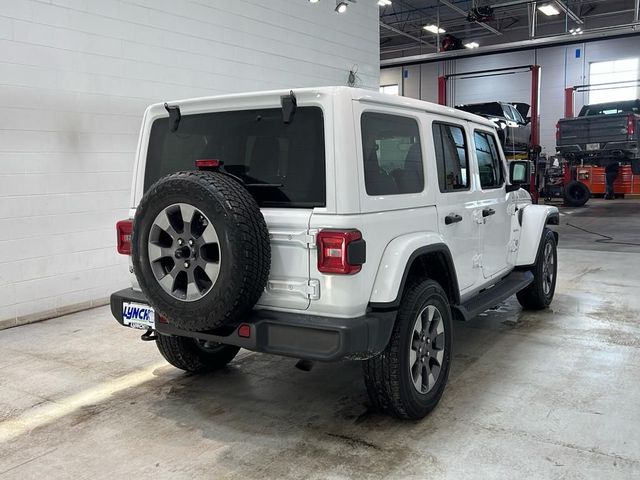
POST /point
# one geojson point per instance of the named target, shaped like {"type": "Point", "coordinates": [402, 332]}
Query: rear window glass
{"type": "Point", "coordinates": [282, 165]}
{"type": "Point", "coordinates": [610, 109]}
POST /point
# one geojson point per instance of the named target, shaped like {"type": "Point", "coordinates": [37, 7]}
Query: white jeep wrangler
{"type": "Point", "coordinates": [327, 224]}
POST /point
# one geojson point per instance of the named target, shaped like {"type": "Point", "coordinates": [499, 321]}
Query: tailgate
{"type": "Point", "coordinates": [596, 129]}
{"type": "Point", "coordinates": [288, 285]}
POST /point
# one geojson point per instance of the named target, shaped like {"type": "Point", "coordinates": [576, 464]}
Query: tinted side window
{"type": "Point", "coordinates": [489, 163]}
{"type": "Point", "coordinates": [392, 154]}
{"type": "Point", "coordinates": [451, 157]}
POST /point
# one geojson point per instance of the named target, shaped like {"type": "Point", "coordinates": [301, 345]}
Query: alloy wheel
{"type": "Point", "coordinates": [426, 351]}
{"type": "Point", "coordinates": [548, 267]}
{"type": "Point", "coordinates": [184, 252]}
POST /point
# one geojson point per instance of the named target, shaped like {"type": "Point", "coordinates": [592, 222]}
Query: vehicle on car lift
{"type": "Point", "coordinates": [600, 134]}
{"type": "Point", "coordinates": [514, 128]}
{"type": "Point", "coordinates": [327, 224]}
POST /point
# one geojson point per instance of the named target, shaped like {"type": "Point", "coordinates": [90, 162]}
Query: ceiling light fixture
{"type": "Point", "coordinates": [384, 3]}
{"type": "Point", "coordinates": [434, 29]}
{"type": "Point", "coordinates": [549, 9]}
{"type": "Point", "coordinates": [471, 45]}
{"type": "Point", "coordinates": [314, 1]}
{"type": "Point", "coordinates": [341, 7]}
{"type": "Point", "coordinates": [576, 31]}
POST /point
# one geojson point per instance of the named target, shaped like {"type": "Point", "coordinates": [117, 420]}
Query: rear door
{"type": "Point", "coordinates": [458, 215]}
{"type": "Point", "coordinates": [494, 206]}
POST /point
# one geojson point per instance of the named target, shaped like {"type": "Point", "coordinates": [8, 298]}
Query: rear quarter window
{"type": "Point", "coordinates": [282, 165]}
{"type": "Point", "coordinates": [392, 154]}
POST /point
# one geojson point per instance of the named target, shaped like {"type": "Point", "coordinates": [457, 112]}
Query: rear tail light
{"type": "Point", "coordinates": [124, 229]}
{"type": "Point", "coordinates": [631, 125]}
{"type": "Point", "coordinates": [340, 251]}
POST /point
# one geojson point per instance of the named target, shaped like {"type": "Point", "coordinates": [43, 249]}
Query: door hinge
{"type": "Point", "coordinates": [306, 238]}
{"type": "Point", "coordinates": [477, 261]}
{"type": "Point", "coordinates": [309, 289]}
{"type": "Point", "coordinates": [313, 290]}
{"type": "Point", "coordinates": [513, 247]}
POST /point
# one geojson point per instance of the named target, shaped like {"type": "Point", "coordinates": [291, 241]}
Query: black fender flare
{"type": "Point", "coordinates": [452, 288]}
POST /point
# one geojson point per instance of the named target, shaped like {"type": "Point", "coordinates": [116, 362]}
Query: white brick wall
{"type": "Point", "coordinates": [75, 77]}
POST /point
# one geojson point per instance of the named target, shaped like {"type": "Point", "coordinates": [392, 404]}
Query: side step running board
{"type": "Point", "coordinates": [511, 284]}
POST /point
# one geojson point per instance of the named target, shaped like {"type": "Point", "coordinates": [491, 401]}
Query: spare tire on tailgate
{"type": "Point", "coordinates": [200, 249]}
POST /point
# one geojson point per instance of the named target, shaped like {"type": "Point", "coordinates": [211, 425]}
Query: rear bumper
{"type": "Point", "coordinates": [291, 334]}
{"type": "Point", "coordinates": [627, 149]}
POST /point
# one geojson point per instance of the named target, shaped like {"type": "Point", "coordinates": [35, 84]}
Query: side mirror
{"type": "Point", "coordinates": [519, 172]}
{"type": "Point", "coordinates": [527, 120]}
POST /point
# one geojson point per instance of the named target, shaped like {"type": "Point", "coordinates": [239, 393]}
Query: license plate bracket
{"type": "Point", "coordinates": [138, 316]}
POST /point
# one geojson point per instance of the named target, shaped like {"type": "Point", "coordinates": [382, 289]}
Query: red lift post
{"type": "Point", "coordinates": [535, 96]}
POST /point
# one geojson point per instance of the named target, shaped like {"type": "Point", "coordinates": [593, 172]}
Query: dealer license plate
{"type": "Point", "coordinates": [593, 146]}
{"type": "Point", "coordinates": [137, 315]}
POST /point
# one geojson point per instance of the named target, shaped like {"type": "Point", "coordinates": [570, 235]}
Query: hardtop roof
{"type": "Point", "coordinates": [357, 94]}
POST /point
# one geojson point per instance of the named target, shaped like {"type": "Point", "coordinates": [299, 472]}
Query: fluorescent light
{"type": "Point", "coordinates": [384, 3]}
{"type": "Point", "coordinates": [549, 10]}
{"type": "Point", "coordinates": [472, 45]}
{"type": "Point", "coordinates": [341, 7]}
{"type": "Point", "coordinates": [314, 1]}
{"type": "Point", "coordinates": [576, 31]}
{"type": "Point", "coordinates": [434, 29]}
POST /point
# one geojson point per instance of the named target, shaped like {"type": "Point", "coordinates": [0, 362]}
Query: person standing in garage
{"type": "Point", "coordinates": [611, 173]}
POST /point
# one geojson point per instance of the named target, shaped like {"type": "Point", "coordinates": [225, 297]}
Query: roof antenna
{"type": "Point", "coordinates": [289, 106]}
{"type": "Point", "coordinates": [174, 116]}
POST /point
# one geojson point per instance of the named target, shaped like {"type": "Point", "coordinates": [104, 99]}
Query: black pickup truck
{"type": "Point", "coordinates": [601, 133]}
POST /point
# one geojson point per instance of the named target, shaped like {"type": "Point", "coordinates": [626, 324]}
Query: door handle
{"type": "Point", "coordinates": [449, 219]}
{"type": "Point", "coordinates": [487, 212]}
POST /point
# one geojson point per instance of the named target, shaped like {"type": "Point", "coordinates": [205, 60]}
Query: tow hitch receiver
{"type": "Point", "coordinates": [149, 336]}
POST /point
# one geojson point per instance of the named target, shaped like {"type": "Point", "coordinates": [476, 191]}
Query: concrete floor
{"type": "Point", "coordinates": [553, 394]}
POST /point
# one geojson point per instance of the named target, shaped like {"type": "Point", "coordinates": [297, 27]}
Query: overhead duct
{"type": "Point", "coordinates": [541, 42]}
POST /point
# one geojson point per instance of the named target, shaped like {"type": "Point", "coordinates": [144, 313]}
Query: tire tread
{"type": "Point", "coordinates": [532, 297]}
{"type": "Point", "coordinates": [382, 373]}
{"type": "Point", "coordinates": [182, 353]}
